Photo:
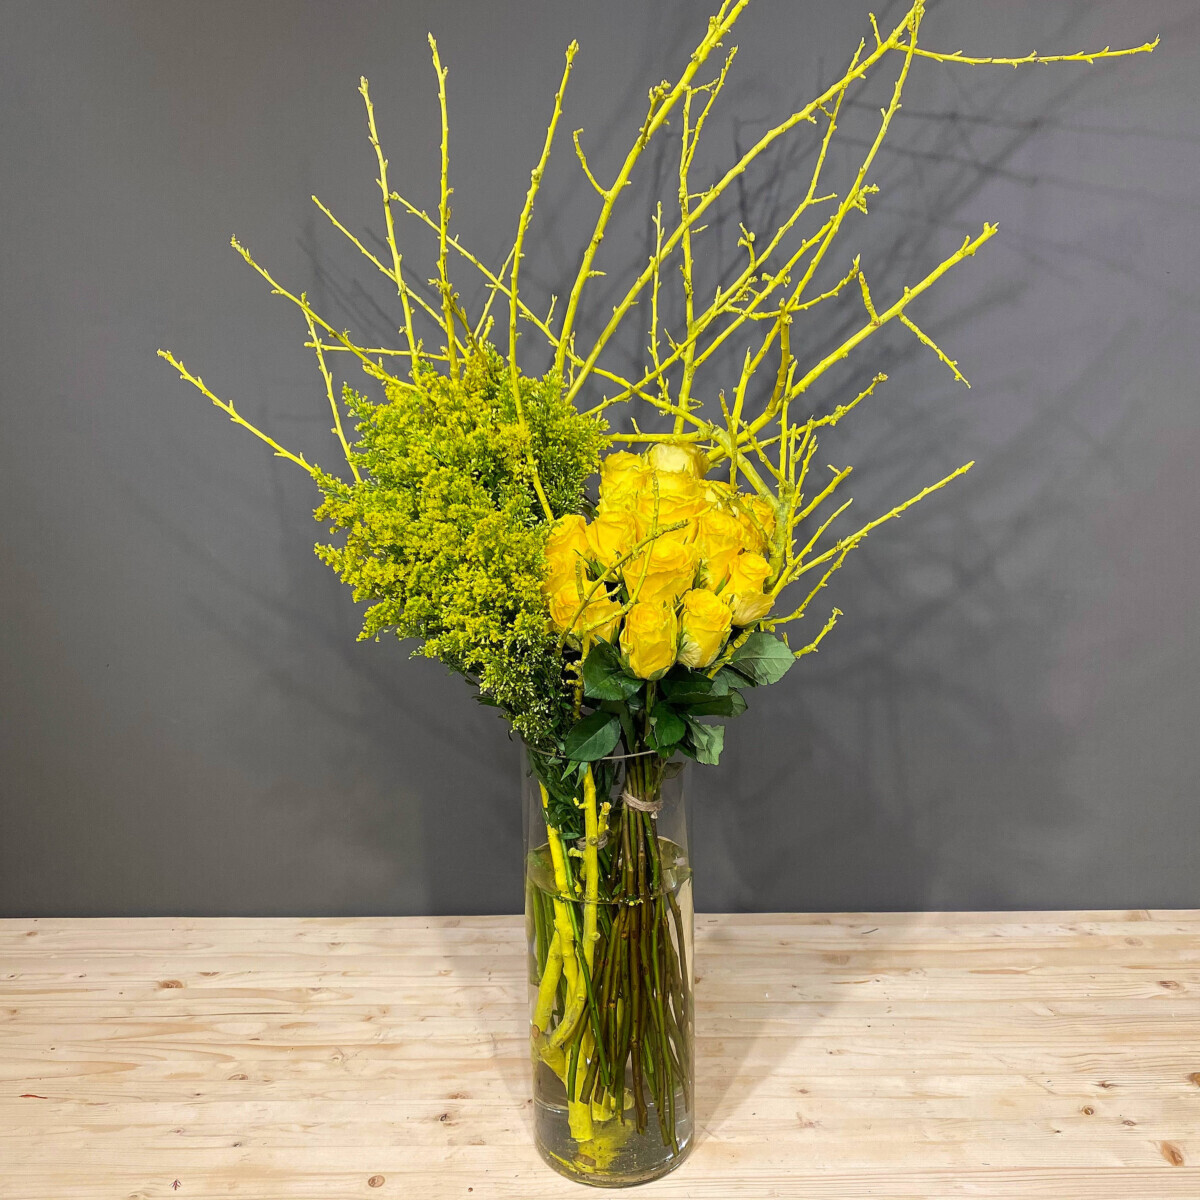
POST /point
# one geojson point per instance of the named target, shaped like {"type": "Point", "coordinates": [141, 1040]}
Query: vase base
{"type": "Point", "coordinates": [617, 1156]}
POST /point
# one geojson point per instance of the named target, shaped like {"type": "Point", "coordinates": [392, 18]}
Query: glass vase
{"type": "Point", "coordinates": [608, 920]}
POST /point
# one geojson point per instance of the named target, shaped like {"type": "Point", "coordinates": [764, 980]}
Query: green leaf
{"type": "Point", "coordinates": [687, 688]}
{"type": "Point", "coordinates": [603, 676]}
{"type": "Point", "coordinates": [708, 741]}
{"type": "Point", "coordinates": [725, 679]}
{"type": "Point", "coordinates": [731, 705]}
{"type": "Point", "coordinates": [593, 737]}
{"type": "Point", "coordinates": [624, 713]}
{"type": "Point", "coordinates": [762, 658]}
{"type": "Point", "coordinates": [667, 724]}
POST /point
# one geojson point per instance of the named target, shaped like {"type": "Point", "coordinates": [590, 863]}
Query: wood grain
{"type": "Point", "coordinates": [1052, 1054]}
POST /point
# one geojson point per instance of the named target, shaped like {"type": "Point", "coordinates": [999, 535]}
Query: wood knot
{"type": "Point", "coordinates": [1128, 1122]}
{"type": "Point", "coordinates": [169, 983]}
{"type": "Point", "coordinates": [1104, 1083]}
{"type": "Point", "coordinates": [375, 1181]}
{"type": "Point", "coordinates": [1088, 1110]}
{"type": "Point", "coordinates": [1171, 1153]}
{"type": "Point", "coordinates": [1171, 985]}
{"type": "Point", "coordinates": [239, 1075]}
{"type": "Point", "coordinates": [1195, 1078]}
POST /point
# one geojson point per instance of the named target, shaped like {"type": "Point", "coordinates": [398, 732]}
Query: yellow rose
{"type": "Point", "coordinates": [649, 639]}
{"type": "Point", "coordinates": [611, 536]}
{"type": "Point", "coordinates": [670, 570]}
{"type": "Point", "coordinates": [564, 602]}
{"type": "Point", "coordinates": [622, 476]}
{"type": "Point", "coordinates": [598, 620]}
{"type": "Point", "coordinates": [764, 510]}
{"type": "Point", "coordinates": [566, 545]}
{"type": "Point", "coordinates": [703, 627]}
{"type": "Point", "coordinates": [717, 493]}
{"type": "Point", "coordinates": [680, 498]}
{"type": "Point", "coordinates": [719, 540]}
{"type": "Point", "coordinates": [663, 456]}
{"type": "Point", "coordinates": [743, 591]}
{"type": "Point", "coordinates": [756, 509]}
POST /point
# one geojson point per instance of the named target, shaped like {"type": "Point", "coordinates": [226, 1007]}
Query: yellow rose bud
{"type": "Point", "coordinates": [717, 494]}
{"type": "Point", "coordinates": [743, 591]}
{"type": "Point", "coordinates": [649, 639]}
{"type": "Point", "coordinates": [670, 570]}
{"type": "Point", "coordinates": [758, 509]}
{"type": "Point", "coordinates": [719, 540]}
{"type": "Point", "coordinates": [612, 535]}
{"type": "Point", "coordinates": [663, 456]}
{"type": "Point", "coordinates": [565, 601]}
{"type": "Point", "coordinates": [566, 545]}
{"type": "Point", "coordinates": [703, 627]}
{"type": "Point", "coordinates": [680, 497]}
{"type": "Point", "coordinates": [764, 510]}
{"type": "Point", "coordinates": [622, 477]}
{"type": "Point", "coordinates": [598, 620]}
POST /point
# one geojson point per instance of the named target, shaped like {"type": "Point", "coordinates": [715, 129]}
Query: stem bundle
{"type": "Point", "coordinates": [621, 1043]}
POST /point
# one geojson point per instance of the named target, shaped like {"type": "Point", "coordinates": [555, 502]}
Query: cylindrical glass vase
{"type": "Point", "coordinates": [608, 920]}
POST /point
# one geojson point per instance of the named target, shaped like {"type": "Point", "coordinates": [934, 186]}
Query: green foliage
{"type": "Point", "coordinates": [604, 678]}
{"type": "Point", "coordinates": [593, 737]}
{"type": "Point", "coordinates": [675, 703]}
{"type": "Point", "coordinates": [762, 658]}
{"type": "Point", "coordinates": [444, 533]}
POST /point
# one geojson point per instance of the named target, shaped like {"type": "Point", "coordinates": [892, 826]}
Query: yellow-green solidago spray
{"type": "Point", "coordinates": [613, 590]}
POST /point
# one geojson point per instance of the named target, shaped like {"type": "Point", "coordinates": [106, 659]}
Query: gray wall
{"type": "Point", "coordinates": [1006, 717]}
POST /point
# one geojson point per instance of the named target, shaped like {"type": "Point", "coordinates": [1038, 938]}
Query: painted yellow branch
{"type": "Point", "coordinates": [925, 339]}
{"type": "Point", "coordinates": [444, 214]}
{"type": "Point", "coordinates": [662, 102]}
{"type": "Point", "coordinates": [710, 197]}
{"type": "Point", "coordinates": [1091, 56]}
{"type": "Point", "coordinates": [397, 273]}
{"type": "Point", "coordinates": [279, 290]}
{"type": "Point", "coordinates": [496, 284]}
{"type": "Point", "coordinates": [811, 648]}
{"type": "Point", "coordinates": [333, 404]}
{"type": "Point", "coordinates": [966, 250]}
{"type": "Point", "coordinates": [237, 417]}
{"type": "Point", "coordinates": [836, 555]}
{"type": "Point", "coordinates": [548, 986]}
{"type": "Point", "coordinates": [403, 287]}
{"type": "Point", "coordinates": [535, 182]}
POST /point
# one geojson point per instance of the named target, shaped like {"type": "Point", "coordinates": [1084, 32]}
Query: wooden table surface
{"type": "Point", "coordinates": [1052, 1054]}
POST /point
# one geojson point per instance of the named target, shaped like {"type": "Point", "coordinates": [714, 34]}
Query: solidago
{"type": "Point", "coordinates": [463, 523]}
{"type": "Point", "coordinates": [443, 531]}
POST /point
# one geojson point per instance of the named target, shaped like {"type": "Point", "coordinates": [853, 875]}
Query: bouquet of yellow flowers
{"type": "Point", "coordinates": [614, 588]}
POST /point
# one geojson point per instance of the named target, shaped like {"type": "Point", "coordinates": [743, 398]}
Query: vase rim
{"type": "Point", "coordinates": [606, 758]}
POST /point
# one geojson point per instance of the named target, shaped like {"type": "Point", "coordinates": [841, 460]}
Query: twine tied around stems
{"type": "Point", "coordinates": [646, 806]}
